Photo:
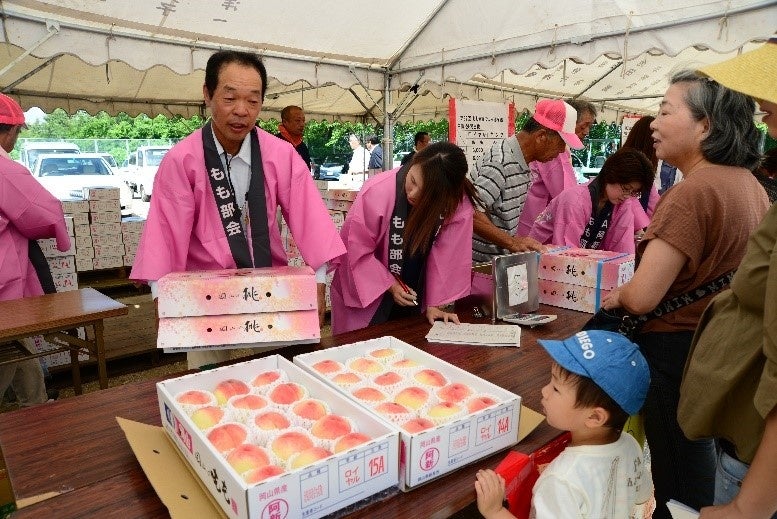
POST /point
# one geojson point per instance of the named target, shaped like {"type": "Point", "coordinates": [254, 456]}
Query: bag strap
{"type": "Point", "coordinates": [632, 322]}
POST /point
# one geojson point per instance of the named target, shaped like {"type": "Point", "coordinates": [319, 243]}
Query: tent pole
{"type": "Point", "coordinates": [388, 133]}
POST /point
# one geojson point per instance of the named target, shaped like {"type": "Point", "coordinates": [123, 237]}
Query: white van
{"type": "Point", "coordinates": [31, 150]}
{"type": "Point", "coordinates": [139, 169]}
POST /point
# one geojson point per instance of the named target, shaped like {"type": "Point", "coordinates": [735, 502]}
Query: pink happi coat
{"type": "Point", "coordinates": [27, 212]}
{"type": "Point", "coordinates": [549, 179]}
{"type": "Point", "coordinates": [362, 275]}
{"type": "Point", "coordinates": [184, 231]}
{"type": "Point", "coordinates": [565, 218]}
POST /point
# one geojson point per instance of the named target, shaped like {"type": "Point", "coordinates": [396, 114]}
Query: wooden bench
{"type": "Point", "coordinates": [56, 317]}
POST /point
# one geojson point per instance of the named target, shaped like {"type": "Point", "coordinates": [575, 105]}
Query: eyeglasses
{"type": "Point", "coordinates": [626, 190]}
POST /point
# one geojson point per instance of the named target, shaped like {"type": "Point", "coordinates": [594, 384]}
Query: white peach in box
{"type": "Point", "coordinates": [195, 397]}
{"type": "Point", "coordinates": [350, 440]}
{"type": "Point", "coordinates": [228, 436]}
{"type": "Point", "coordinates": [267, 378]}
{"type": "Point", "coordinates": [331, 427]}
{"type": "Point", "coordinates": [207, 417]}
{"type": "Point", "coordinates": [430, 377]}
{"type": "Point", "coordinates": [386, 355]}
{"type": "Point", "coordinates": [412, 397]}
{"type": "Point", "coordinates": [416, 425]}
{"type": "Point", "coordinates": [387, 379]}
{"type": "Point", "coordinates": [454, 392]}
{"type": "Point", "coordinates": [480, 402]}
{"type": "Point", "coordinates": [369, 394]}
{"type": "Point", "coordinates": [290, 442]}
{"type": "Point", "coordinates": [255, 476]}
{"type": "Point", "coordinates": [248, 402]}
{"type": "Point", "coordinates": [271, 421]}
{"type": "Point", "coordinates": [229, 388]}
{"type": "Point", "coordinates": [308, 457]}
{"type": "Point", "coordinates": [365, 365]}
{"type": "Point", "coordinates": [248, 457]}
{"type": "Point", "coordinates": [287, 393]}
{"type": "Point", "coordinates": [327, 367]}
{"type": "Point", "coordinates": [310, 409]}
{"type": "Point", "coordinates": [444, 412]}
{"type": "Point", "coordinates": [346, 379]}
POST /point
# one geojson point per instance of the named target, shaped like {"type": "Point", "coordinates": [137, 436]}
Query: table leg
{"type": "Point", "coordinates": [99, 341]}
{"type": "Point", "coordinates": [75, 367]}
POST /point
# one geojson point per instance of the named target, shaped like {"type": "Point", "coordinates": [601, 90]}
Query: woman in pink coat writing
{"type": "Point", "coordinates": [603, 214]}
{"type": "Point", "coordinates": [405, 235]}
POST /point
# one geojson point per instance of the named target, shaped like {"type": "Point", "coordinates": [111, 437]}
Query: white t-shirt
{"type": "Point", "coordinates": [359, 161]}
{"type": "Point", "coordinates": [594, 482]}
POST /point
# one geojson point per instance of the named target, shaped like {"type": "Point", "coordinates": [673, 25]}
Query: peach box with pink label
{"type": "Point", "coordinates": [311, 492]}
{"type": "Point", "coordinates": [431, 453]}
{"type": "Point", "coordinates": [242, 291]}
{"type": "Point", "coordinates": [586, 267]}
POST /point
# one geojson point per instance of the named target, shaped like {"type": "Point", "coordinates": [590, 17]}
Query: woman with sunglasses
{"type": "Point", "coordinates": [603, 214]}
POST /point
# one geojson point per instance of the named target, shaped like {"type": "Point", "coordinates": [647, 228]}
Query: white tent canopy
{"type": "Point", "coordinates": [350, 60]}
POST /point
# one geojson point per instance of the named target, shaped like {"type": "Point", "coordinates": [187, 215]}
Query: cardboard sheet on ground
{"type": "Point", "coordinates": [530, 419]}
{"type": "Point", "coordinates": [168, 472]}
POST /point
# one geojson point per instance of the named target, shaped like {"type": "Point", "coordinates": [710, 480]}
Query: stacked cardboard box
{"type": "Point", "coordinates": [63, 271]}
{"type": "Point", "coordinates": [131, 229]}
{"type": "Point", "coordinates": [232, 308]}
{"type": "Point", "coordinates": [338, 201]}
{"type": "Point", "coordinates": [579, 279]}
{"type": "Point", "coordinates": [105, 227]}
{"type": "Point", "coordinates": [78, 210]}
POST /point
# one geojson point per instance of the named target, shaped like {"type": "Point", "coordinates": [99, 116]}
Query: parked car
{"type": "Point", "coordinates": [330, 171]}
{"type": "Point", "coordinates": [139, 170]}
{"type": "Point", "coordinates": [110, 160]}
{"type": "Point", "coordinates": [65, 175]}
{"type": "Point", "coordinates": [31, 150]}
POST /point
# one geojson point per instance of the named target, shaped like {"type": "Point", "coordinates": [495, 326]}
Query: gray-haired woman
{"type": "Point", "coordinates": [696, 237]}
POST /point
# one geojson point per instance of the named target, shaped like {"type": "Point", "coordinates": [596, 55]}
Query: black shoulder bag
{"type": "Point", "coordinates": [618, 320]}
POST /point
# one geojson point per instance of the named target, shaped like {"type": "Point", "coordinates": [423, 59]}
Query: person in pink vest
{"type": "Point", "coordinates": [27, 212]}
{"type": "Point", "coordinates": [603, 214]}
{"type": "Point", "coordinates": [218, 191]}
{"type": "Point", "coordinates": [550, 178]}
{"type": "Point", "coordinates": [407, 235]}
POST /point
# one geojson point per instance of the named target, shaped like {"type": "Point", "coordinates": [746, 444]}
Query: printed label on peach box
{"type": "Point", "coordinates": [84, 264]}
{"type": "Point", "coordinates": [84, 252]}
{"type": "Point", "coordinates": [105, 216]}
{"type": "Point", "coordinates": [65, 281]}
{"type": "Point", "coordinates": [338, 205]}
{"type": "Point", "coordinates": [83, 241]}
{"type": "Point", "coordinates": [69, 225]}
{"type": "Point", "coordinates": [75, 205]}
{"type": "Point", "coordinates": [106, 240]}
{"type": "Point", "coordinates": [62, 264]}
{"type": "Point", "coordinates": [82, 230]}
{"type": "Point", "coordinates": [102, 251]}
{"type": "Point", "coordinates": [132, 224]}
{"type": "Point", "coordinates": [573, 297]}
{"type": "Point", "coordinates": [49, 248]}
{"type": "Point", "coordinates": [108, 262]}
{"type": "Point", "coordinates": [105, 206]}
{"type": "Point", "coordinates": [340, 194]}
{"type": "Point", "coordinates": [587, 267]}
{"type": "Point", "coordinates": [102, 229]}
{"type": "Point", "coordinates": [242, 291]}
{"type": "Point", "coordinates": [101, 193]}
{"type": "Point", "coordinates": [218, 330]}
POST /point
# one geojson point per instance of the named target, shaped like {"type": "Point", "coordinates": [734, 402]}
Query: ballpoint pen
{"type": "Point", "coordinates": [404, 287]}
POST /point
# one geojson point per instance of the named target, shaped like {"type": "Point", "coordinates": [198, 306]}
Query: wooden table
{"type": "Point", "coordinates": [74, 447]}
{"type": "Point", "coordinates": [55, 316]}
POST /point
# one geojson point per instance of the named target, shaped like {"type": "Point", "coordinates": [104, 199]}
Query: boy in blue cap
{"type": "Point", "coordinates": [598, 379]}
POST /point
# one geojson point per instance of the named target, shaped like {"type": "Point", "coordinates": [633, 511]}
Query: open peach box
{"type": "Point", "coordinates": [313, 491]}
{"type": "Point", "coordinates": [431, 453]}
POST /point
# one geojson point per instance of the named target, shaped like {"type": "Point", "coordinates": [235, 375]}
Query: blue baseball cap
{"type": "Point", "coordinates": [612, 361]}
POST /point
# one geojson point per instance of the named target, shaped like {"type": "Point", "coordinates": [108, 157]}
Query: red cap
{"type": "Point", "coordinates": [557, 115]}
{"type": "Point", "coordinates": [10, 111]}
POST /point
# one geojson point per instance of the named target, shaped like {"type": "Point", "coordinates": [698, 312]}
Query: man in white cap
{"type": "Point", "coordinates": [27, 212]}
{"type": "Point", "coordinates": [502, 177]}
